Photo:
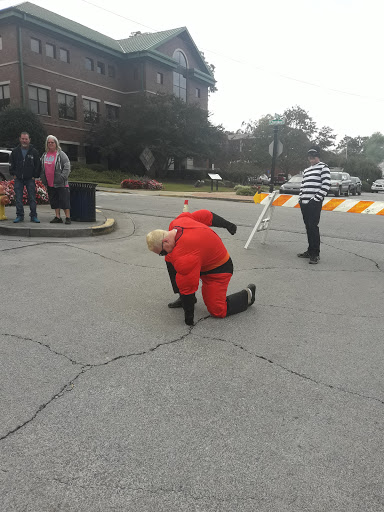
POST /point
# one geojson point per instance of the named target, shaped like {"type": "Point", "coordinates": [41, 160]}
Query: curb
{"type": "Point", "coordinates": [108, 226]}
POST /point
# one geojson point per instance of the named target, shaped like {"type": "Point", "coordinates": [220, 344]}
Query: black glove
{"type": "Point", "coordinates": [188, 302]}
{"type": "Point", "coordinates": [219, 222]}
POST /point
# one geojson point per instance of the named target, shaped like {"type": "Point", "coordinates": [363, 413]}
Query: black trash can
{"type": "Point", "coordinates": [83, 201]}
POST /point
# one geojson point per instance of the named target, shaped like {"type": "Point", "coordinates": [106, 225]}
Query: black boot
{"type": "Point", "coordinates": [177, 303]}
{"type": "Point", "coordinates": [219, 222]}
{"type": "Point", "coordinates": [239, 302]}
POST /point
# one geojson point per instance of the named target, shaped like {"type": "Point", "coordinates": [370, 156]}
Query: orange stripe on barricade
{"type": "Point", "coordinates": [381, 212]}
{"type": "Point", "coordinates": [280, 200]}
{"type": "Point", "coordinates": [360, 206]}
{"type": "Point", "coordinates": [332, 204]}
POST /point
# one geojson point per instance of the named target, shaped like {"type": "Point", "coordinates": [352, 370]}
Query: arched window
{"type": "Point", "coordinates": [180, 76]}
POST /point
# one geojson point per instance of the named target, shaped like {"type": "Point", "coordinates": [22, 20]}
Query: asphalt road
{"type": "Point", "coordinates": [108, 402]}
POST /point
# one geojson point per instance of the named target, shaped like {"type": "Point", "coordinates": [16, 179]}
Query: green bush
{"type": "Point", "coordinates": [84, 174]}
{"type": "Point", "coordinates": [245, 191]}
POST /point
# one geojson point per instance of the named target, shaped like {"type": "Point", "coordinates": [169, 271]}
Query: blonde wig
{"type": "Point", "coordinates": [155, 239]}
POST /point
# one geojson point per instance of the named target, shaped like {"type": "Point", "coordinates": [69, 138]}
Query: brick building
{"type": "Point", "coordinates": [71, 75]}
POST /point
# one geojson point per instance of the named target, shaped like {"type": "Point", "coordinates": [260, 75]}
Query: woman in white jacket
{"type": "Point", "coordinates": [56, 168]}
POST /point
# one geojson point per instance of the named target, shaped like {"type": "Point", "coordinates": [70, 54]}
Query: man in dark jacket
{"type": "Point", "coordinates": [25, 167]}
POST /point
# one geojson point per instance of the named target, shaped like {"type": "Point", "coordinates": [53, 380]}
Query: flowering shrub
{"type": "Point", "coordinates": [41, 192]}
{"type": "Point", "coordinates": [141, 183]}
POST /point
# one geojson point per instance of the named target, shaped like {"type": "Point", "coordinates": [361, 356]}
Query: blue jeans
{"type": "Point", "coordinates": [19, 188]}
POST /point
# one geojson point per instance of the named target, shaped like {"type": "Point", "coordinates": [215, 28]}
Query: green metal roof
{"type": "Point", "coordinates": [58, 21]}
{"type": "Point", "coordinates": [147, 42]}
{"type": "Point", "coordinates": [143, 42]}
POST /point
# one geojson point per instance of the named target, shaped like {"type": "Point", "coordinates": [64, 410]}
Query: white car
{"type": "Point", "coordinates": [4, 164]}
{"type": "Point", "coordinates": [377, 186]}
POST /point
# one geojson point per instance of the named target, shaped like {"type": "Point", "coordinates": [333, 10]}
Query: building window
{"type": "Point", "coordinates": [100, 68]}
{"type": "Point", "coordinates": [112, 112]}
{"type": "Point", "coordinates": [89, 64]}
{"type": "Point", "coordinates": [5, 98]}
{"type": "Point", "coordinates": [67, 106]}
{"type": "Point", "coordinates": [1, 43]}
{"type": "Point", "coordinates": [160, 78]}
{"type": "Point", "coordinates": [135, 74]}
{"type": "Point", "coordinates": [71, 150]}
{"type": "Point", "coordinates": [50, 50]}
{"type": "Point", "coordinates": [180, 76]}
{"type": "Point", "coordinates": [198, 93]}
{"type": "Point", "coordinates": [64, 55]}
{"type": "Point", "coordinates": [111, 71]}
{"type": "Point", "coordinates": [91, 111]}
{"type": "Point", "coordinates": [38, 100]}
{"type": "Point", "coordinates": [35, 45]}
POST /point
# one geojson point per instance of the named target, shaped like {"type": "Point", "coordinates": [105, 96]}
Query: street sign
{"type": "Point", "coordinates": [279, 148]}
{"type": "Point", "coordinates": [274, 122]}
{"type": "Point", "coordinates": [147, 158]}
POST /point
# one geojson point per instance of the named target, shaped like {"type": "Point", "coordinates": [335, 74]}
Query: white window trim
{"type": "Point", "coordinates": [66, 92]}
{"type": "Point", "coordinates": [112, 104]}
{"type": "Point", "coordinates": [5, 83]}
{"type": "Point", "coordinates": [69, 142]}
{"type": "Point", "coordinates": [40, 86]}
{"type": "Point", "coordinates": [91, 99]}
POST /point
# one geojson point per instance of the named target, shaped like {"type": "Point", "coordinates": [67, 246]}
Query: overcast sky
{"type": "Point", "coordinates": [324, 55]}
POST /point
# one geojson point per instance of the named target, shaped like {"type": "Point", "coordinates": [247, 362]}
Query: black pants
{"type": "Point", "coordinates": [311, 216]}
{"type": "Point", "coordinates": [236, 303]}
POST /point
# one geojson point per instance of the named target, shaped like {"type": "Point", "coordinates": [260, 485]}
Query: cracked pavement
{"type": "Point", "coordinates": [109, 402]}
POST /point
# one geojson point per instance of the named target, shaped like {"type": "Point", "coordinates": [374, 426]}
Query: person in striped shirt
{"type": "Point", "coordinates": [314, 188]}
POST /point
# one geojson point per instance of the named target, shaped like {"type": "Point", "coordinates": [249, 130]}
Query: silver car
{"type": "Point", "coordinates": [340, 184]}
{"type": "Point", "coordinates": [292, 186]}
{"type": "Point", "coordinates": [377, 186]}
{"type": "Point", "coordinates": [5, 165]}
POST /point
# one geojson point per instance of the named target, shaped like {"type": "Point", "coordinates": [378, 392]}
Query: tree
{"type": "Point", "coordinates": [351, 146]}
{"type": "Point", "coordinates": [365, 169]}
{"type": "Point", "coordinates": [169, 127]}
{"type": "Point", "coordinates": [298, 118]}
{"type": "Point", "coordinates": [14, 120]}
{"type": "Point", "coordinates": [325, 138]}
{"type": "Point", "coordinates": [374, 147]}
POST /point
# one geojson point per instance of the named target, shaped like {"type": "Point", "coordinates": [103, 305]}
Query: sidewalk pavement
{"type": "Point", "coordinates": [221, 196]}
{"type": "Point", "coordinates": [101, 226]}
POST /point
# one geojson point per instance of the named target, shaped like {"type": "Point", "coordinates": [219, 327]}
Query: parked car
{"type": "Point", "coordinates": [356, 186]}
{"type": "Point", "coordinates": [340, 184]}
{"type": "Point", "coordinates": [378, 185]}
{"type": "Point", "coordinates": [279, 179]}
{"type": "Point", "coordinates": [4, 164]}
{"type": "Point", "coordinates": [263, 179]}
{"type": "Point", "coordinates": [292, 186]}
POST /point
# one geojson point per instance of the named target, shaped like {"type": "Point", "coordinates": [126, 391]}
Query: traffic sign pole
{"type": "Point", "coordinates": [275, 142]}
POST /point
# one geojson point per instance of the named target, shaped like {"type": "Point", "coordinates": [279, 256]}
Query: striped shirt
{"type": "Point", "coordinates": [316, 183]}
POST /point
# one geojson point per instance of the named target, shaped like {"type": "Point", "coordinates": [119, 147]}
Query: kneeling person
{"type": "Point", "coordinates": [193, 251]}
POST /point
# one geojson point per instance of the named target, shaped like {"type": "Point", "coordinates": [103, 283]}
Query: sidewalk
{"type": "Point", "coordinates": [101, 226]}
{"type": "Point", "coordinates": [221, 196]}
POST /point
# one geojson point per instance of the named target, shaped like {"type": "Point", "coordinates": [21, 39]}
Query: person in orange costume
{"type": "Point", "coordinates": [193, 251]}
